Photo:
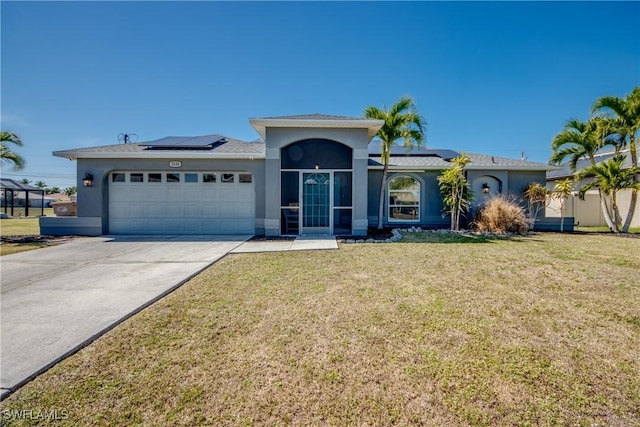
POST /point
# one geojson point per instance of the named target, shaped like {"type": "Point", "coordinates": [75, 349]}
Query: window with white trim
{"type": "Point", "coordinates": [404, 199]}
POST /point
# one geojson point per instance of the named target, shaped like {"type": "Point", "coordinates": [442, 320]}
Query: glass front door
{"type": "Point", "coordinates": [316, 203]}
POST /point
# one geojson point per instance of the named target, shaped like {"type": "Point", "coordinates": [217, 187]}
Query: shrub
{"type": "Point", "coordinates": [501, 216]}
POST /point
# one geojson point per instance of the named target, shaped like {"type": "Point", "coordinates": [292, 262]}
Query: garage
{"type": "Point", "coordinates": [184, 202]}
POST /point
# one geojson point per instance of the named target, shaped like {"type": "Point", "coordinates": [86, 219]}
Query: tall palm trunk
{"type": "Point", "coordinates": [561, 215]}
{"type": "Point", "coordinates": [634, 192]}
{"type": "Point", "coordinates": [603, 203]}
{"type": "Point", "coordinates": [459, 207]}
{"type": "Point", "coordinates": [605, 212]}
{"type": "Point", "coordinates": [381, 199]}
{"type": "Point", "coordinates": [616, 212]}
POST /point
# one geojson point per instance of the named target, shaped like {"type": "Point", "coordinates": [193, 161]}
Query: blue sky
{"type": "Point", "coordinates": [489, 77]}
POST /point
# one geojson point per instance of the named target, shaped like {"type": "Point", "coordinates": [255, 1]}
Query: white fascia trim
{"type": "Point", "coordinates": [511, 168]}
{"type": "Point", "coordinates": [261, 125]}
{"type": "Point", "coordinates": [157, 155]}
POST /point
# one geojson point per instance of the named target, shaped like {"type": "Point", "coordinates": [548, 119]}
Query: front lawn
{"type": "Point", "coordinates": [604, 229]}
{"type": "Point", "coordinates": [19, 226]}
{"type": "Point", "coordinates": [15, 226]}
{"type": "Point", "coordinates": [538, 330]}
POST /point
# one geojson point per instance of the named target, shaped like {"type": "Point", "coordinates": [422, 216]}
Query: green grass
{"type": "Point", "coordinates": [19, 212]}
{"type": "Point", "coordinates": [538, 330]}
{"type": "Point", "coordinates": [17, 226]}
{"type": "Point", "coordinates": [21, 227]}
{"type": "Point", "coordinates": [604, 229]}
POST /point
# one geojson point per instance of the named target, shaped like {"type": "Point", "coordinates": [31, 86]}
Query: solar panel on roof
{"type": "Point", "coordinates": [401, 150]}
{"type": "Point", "coordinates": [185, 141]}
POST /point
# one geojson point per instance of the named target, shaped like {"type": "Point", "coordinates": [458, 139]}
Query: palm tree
{"type": "Point", "coordinates": [40, 184]}
{"type": "Point", "coordinates": [562, 190]}
{"type": "Point", "coordinates": [70, 191]}
{"type": "Point", "coordinates": [536, 195]}
{"type": "Point", "coordinates": [580, 140]}
{"type": "Point", "coordinates": [8, 156]}
{"type": "Point", "coordinates": [610, 177]}
{"type": "Point", "coordinates": [53, 190]}
{"type": "Point", "coordinates": [401, 121]}
{"type": "Point", "coordinates": [577, 140]}
{"type": "Point", "coordinates": [623, 115]}
{"type": "Point", "coordinates": [456, 190]}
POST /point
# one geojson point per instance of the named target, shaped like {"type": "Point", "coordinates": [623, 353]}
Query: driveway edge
{"type": "Point", "coordinates": [6, 392]}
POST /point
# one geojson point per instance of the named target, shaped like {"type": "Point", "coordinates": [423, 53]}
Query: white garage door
{"type": "Point", "coordinates": [181, 203]}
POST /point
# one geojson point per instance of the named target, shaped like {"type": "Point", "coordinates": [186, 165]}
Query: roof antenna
{"type": "Point", "coordinates": [523, 156]}
{"type": "Point", "coordinates": [127, 137]}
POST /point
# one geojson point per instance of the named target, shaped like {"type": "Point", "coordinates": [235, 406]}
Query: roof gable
{"type": "Point", "coordinates": [326, 121]}
{"type": "Point", "coordinates": [315, 116]}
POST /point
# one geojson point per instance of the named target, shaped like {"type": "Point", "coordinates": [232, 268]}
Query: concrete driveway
{"type": "Point", "coordinates": [56, 300]}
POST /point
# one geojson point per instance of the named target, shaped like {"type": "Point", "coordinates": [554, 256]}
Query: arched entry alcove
{"type": "Point", "coordinates": [316, 187]}
{"type": "Point", "coordinates": [485, 187]}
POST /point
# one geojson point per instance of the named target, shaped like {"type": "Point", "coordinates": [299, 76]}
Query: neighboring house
{"type": "Point", "coordinates": [49, 199]}
{"type": "Point", "coordinates": [588, 212]}
{"type": "Point", "coordinates": [309, 174]}
{"type": "Point", "coordinates": [14, 194]}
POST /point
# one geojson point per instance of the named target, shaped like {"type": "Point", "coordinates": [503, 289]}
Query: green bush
{"type": "Point", "coordinates": [501, 216]}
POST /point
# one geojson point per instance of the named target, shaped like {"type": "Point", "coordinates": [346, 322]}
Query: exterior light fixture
{"type": "Point", "coordinates": [317, 166]}
{"type": "Point", "coordinates": [485, 188]}
{"type": "Point", "coordinates": [87, 181]}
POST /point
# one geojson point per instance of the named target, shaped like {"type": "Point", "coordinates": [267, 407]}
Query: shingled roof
{"type": "Point", "coordinates": [230, 148]}
{"type": "Point", "coordinates": [438, 158]}
{"type": "Point", "coordinates": [564, 171]}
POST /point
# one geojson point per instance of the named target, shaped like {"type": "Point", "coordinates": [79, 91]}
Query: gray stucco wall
{"type": "Point", "coordinates": [93, 201]}
{"type": "Point", "coordinates": [431, 200]}
{"type": "Point", "coordinates": [519, 180]}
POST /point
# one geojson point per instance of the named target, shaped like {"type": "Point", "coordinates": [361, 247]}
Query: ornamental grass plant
{"type": "Point", "coordinates": [501, 216]}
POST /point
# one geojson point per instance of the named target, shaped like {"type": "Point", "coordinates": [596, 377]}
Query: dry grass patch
{"type": "Point", "coordinates": [542, 330]}
{"type": "Point", "coordinates": [19, 226]}
{"type": "Point", "coordinates": [14, 248]}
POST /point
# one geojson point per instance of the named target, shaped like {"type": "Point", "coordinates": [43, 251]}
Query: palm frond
{"type": "Point", "coordinates": [400, 122]}
{"type": "Point", "coordinates": [574, 153]}
{"type": "Point", "coordinates": [10, 157]}
{"type": "Point", "coordinates": [606, 105]}
{"type": "Point", "coordinates": [10, 137]}
{"type": "Point", "coordinates": [373, 112]}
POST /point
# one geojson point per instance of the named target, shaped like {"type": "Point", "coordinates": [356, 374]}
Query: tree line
{"type": "Point", "coordinates": [614, 126]}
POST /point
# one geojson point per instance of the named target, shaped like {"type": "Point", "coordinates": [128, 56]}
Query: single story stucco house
{"type": "Point", "coordinates": [307, 174]}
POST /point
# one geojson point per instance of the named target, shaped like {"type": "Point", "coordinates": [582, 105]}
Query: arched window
{"type": "Point", "coordinates": [404, 199]}
{"type": "Point", "coordinates": [316, 153]}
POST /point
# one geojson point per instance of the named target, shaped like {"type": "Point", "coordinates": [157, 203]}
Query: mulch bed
{"type": "Point", "coordinates": [31, 238]}
{"type": "Point", "coordinates": [372, 233]}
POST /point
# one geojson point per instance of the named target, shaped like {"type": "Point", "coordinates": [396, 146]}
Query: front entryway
{"type": "Point", "coordinates": [316, 203]}
{"type": "Point", "coordinates": [316, 182]}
